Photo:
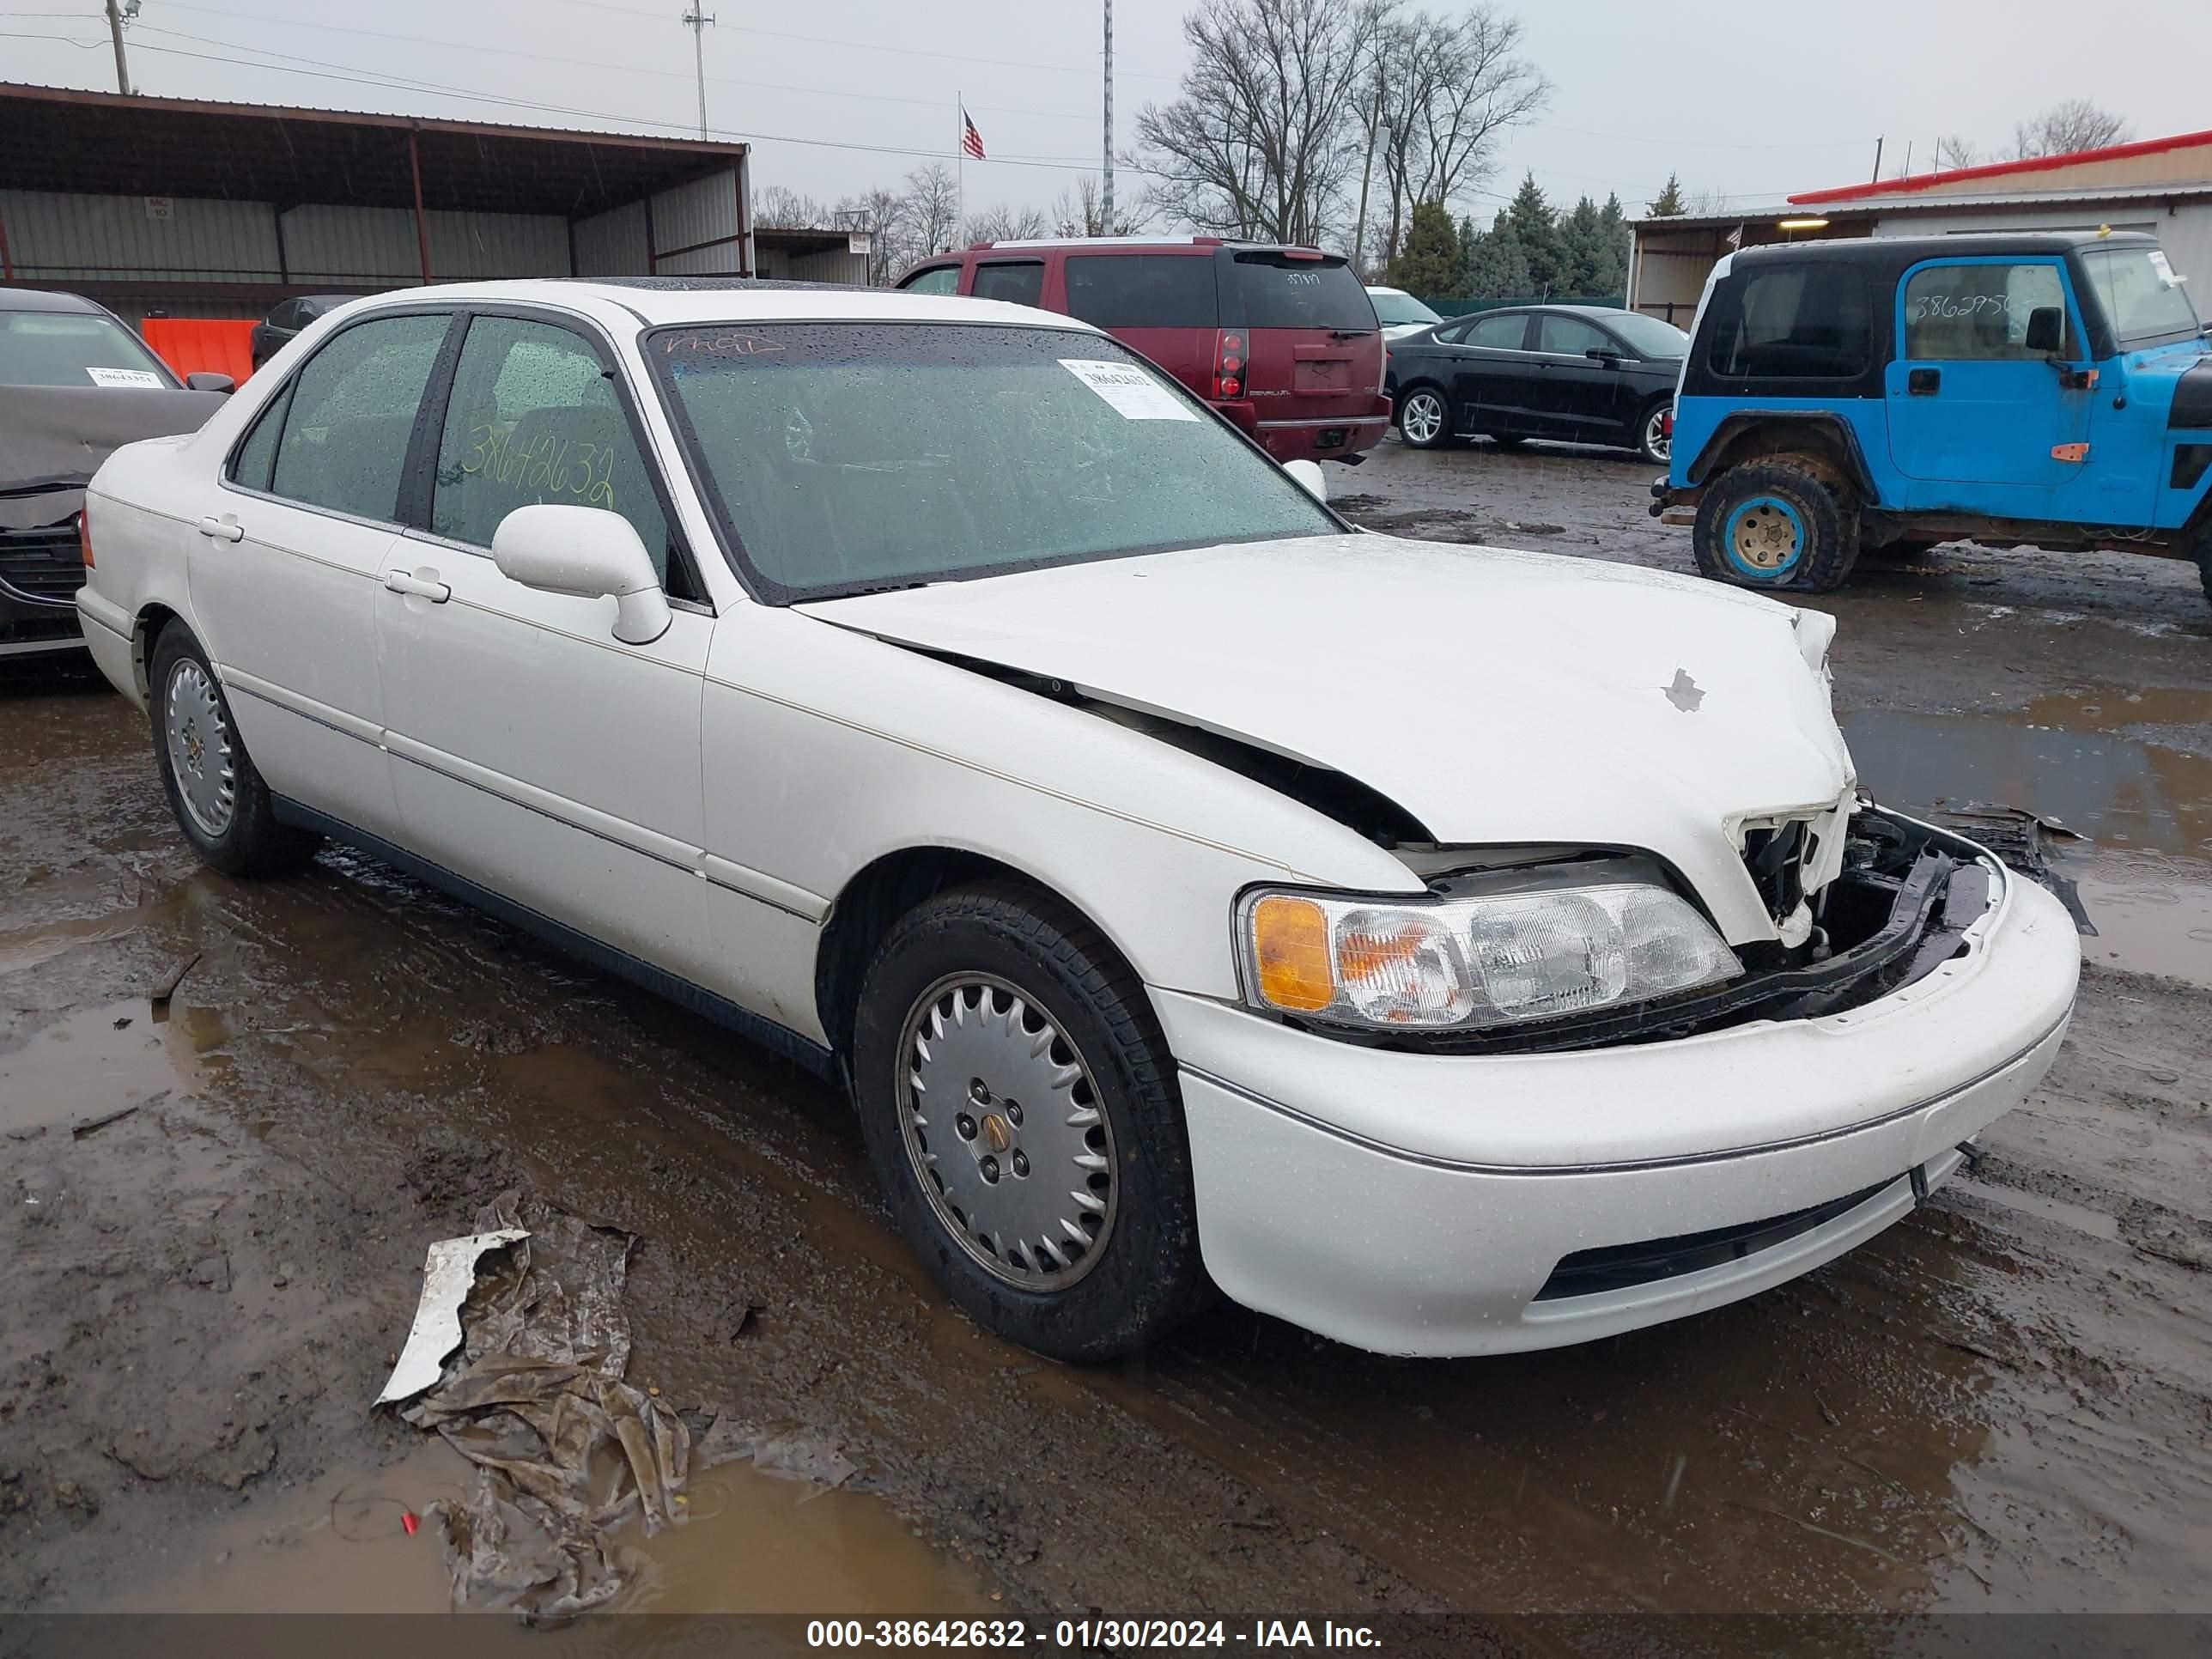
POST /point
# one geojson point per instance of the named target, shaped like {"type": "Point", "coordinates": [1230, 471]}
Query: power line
{"type": "Point", "coordinates": [293, 64]}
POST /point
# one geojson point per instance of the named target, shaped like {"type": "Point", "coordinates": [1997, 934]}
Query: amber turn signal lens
{"type": "Point", "coordinates": [1290, 945]}
{"type": "Point", "coordinates": [84, 535]}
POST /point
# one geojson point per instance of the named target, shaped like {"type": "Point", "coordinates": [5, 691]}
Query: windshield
{"type": "Point", "coordinates": [2141, 293]}
{"type": "Point", "coordinates": [1268, 289]}
{"type": "Point", "coordinates": [1648, 337]}
{"type": "Point", "coordinates": [74, 348]}
{"type": "Point", "coordinates": [844, 457]}
{"type": "Point", "coordinates": [1392, 307]}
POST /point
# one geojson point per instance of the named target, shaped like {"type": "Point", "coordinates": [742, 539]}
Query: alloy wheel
{"type": "Point", "coordinates": [1422, 418]}
{"type": "Point", "coordinates": [200, 749]}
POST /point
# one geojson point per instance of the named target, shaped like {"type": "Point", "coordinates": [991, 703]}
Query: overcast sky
{"type": "Point", "coordinates": [1749, 98]}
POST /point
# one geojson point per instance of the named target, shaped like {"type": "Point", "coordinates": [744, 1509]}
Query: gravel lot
{"type": "Point", "coordinates": [2003, 1403]}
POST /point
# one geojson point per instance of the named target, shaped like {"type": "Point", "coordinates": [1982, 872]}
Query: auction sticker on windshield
{"type": "Point", "coordinates": [123, 376]}
{"type": "Point", "coordinates": [1134, 393]}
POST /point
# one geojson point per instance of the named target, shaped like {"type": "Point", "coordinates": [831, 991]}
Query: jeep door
{"type": "Point", "coordinates": [1979, 420]}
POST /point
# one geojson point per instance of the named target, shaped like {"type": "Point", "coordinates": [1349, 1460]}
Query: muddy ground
{"type": "Point", "coordinates": [2003, 1403]}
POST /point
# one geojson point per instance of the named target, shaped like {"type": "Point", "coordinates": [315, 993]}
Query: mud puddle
{"type": "Point", "coordinates": [750, 1544]}
{"type": "Point", "coordinates": [2090, 760]}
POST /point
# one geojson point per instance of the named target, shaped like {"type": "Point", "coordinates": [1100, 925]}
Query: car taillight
{"type": "Point", "coordinates": [84, 536]}
{"type": "Point", "coordinates": [1666, 424]}
{"type": "Point", "coordinates": [1229, 365]}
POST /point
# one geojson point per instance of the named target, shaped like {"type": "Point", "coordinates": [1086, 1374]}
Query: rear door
{"type": "Point", "coordinates": [1979, 421]}
{"type": "Point", "coordinates": [1017, 281]}
{"type": "Point", "coordinates": [1494, 373]}
{"type": "Point", "coordinates": [1163, 303]}
{"type": "Point", "coordinates": [1315, 349]}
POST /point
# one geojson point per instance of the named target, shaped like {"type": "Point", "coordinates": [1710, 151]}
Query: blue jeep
{"type": "Point", "coordinates": [2052, 390]}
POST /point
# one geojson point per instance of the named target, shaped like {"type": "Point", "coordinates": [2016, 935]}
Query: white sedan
{"type": "Point", "coordinates": [1450, 949]}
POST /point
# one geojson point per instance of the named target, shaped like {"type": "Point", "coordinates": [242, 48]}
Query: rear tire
{"type": "Point", "coordinates": [214, 788]}
{"type": "Point", "coordinates": [1776, 523]}
{"type": "Point", "coordinates": [2204, 561]}
{"type": "Point", "coordinates": [943, 1057]}
{"type": "Point", "coordinates": [1653, 442]}
{"type": "Point", "coordinates": [1425, 418]}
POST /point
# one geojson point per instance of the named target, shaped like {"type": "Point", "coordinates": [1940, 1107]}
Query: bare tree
{"type": "Point", "coordinates": [778, 208]}
{"type": "Point", "coordinates": [1262, 138]}
{"type": "Point", "coordinates": [2075, 124]}
{"type": "Point", "coordinates": [932, 209]}
{"type": "Point", "coordinates": [1082, 212]}
{"type": "Point", "coordinates": [1446, 89]}
{"type": "Point", "coordinates": [882, 214]}
{"type": "Point", "coordinates": [1004, 224]}
{"type": "Point", "coordinates": [1954, 151]}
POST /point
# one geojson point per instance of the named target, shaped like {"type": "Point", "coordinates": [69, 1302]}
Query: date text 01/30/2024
{"type": "Point", "coordinates": [1085, 1635]}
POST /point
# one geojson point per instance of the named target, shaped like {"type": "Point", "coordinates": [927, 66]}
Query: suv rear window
{"type": "Point", "coordinates": [1142, 290]}
{"type": "Point", "coordinates": [1280, 290]}
{"type": "Point", "coordinates": [1796, 323]}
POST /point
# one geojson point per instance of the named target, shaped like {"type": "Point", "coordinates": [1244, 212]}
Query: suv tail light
{"type": "Point", "coordinates": [84, 535]}
{"type": "Point", "coordinates": [1229, 365]}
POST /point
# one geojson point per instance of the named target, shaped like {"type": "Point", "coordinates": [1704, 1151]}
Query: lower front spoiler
{"type": "Point", "coordinates": [1404, 1255]}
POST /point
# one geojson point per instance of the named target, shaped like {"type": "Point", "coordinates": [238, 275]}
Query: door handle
{"type": "Point", "coordinates": [1923, 382]}
{"type": "Point", "coordinates": [222, 530]}
{"type": "Point", "coordinates": [421, 587]}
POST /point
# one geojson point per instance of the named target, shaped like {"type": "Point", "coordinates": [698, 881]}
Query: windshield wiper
{"type": "Point", "coordinates": [1350, 333]}
{"type": "Point", "coordinates": [864, 589]}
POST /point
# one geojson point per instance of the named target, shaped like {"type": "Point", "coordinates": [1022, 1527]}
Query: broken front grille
{"type": "Point", "coordinates": [42, 566]}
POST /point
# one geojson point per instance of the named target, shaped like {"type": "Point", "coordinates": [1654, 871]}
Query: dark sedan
{"type": "Point", "coordinates": [1583, 373]}
{"type": "Point", "coordinates": [286, 318]}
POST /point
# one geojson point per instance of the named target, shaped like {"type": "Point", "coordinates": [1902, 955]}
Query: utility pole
{"type": "Point", "coordinates": [115, 28]}
{"type": "Point", "coordinates": [696, 20]}
{"type": "Point", "coordinates": [1877, 160]}
{"type": "Point", "coordinates": [1107, 210]}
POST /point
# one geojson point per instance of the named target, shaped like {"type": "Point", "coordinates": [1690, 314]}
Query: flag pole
{"type": "Point", "coordinates": [960, 171]}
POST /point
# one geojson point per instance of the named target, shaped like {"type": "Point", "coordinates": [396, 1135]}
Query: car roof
{"type": "Point", "coordinates": [652, 301]}
{"type": "Point", "coordinates": [39, 299]}
{"type": "Point", "coordinates": [1895, 252]}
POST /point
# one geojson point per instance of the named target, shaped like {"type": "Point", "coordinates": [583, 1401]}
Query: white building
{"type": "Point", "coordinates": [2161, 185]}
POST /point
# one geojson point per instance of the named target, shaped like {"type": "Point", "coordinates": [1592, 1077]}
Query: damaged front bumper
{"type": "Point", "coordinates": [1420, 1202]}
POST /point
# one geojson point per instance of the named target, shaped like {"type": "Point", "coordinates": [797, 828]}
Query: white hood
{"type": "Point", "coordinates": [1501, 697]}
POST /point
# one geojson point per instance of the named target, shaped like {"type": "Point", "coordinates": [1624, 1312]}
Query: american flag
{"type": "Point", "coordinates": [971, 141]}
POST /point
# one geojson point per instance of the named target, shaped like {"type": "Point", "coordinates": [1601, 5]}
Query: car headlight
{"type": "Point", "coordinates": [1480, 950]}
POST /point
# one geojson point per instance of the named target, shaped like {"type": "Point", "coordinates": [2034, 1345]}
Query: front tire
{"type": "Point", "coordinates": [214, 788]}
{"type": "Point", "coordinates": [1425, 418]}
{"type": "Point", "coordinates": [1020, 1110]}
{"type": "Point", "coordinates": [1776, 523]}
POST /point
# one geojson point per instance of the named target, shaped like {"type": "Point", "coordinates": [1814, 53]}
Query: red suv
{"type": "Point", "coordinates": [1283, 340]}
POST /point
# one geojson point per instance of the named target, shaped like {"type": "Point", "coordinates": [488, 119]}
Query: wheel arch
{"type": "Point", "coordinates": [146, 627]}
{"type": "Point", "coordinates": [882, 891]}
{"type": "Point", "coordinates": [1755, 434]}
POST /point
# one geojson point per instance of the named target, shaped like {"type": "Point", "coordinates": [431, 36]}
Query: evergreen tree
{"type": "Point", "coordinates": [1429, 262]}
{"type": "Point", "coordinates": [1470, 241]}
{"type": "Point", "coordinates": [1535, 227]}
{"type": "Point", "coordinates": [1593, 272]}
{"type": "Point", "coordinates": [1620, 239]}
{"type": "Point", "coordinates": [1499, 268]}
{"type": "Point", "coordinates": [1669, 204]}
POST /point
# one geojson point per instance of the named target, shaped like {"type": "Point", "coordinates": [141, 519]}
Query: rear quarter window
{"type": "Point", "coordinates": [1279, 290]}
{"type": "Point", "coordinates": [1793, 323]}
{"type": "Point", "coordinates": [1143, 290]}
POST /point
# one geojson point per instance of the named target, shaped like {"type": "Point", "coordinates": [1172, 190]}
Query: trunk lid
{"type": "Point", "coordinates": [1314, 346]}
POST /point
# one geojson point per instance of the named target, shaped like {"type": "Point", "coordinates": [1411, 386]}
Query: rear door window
{"type": "Point", "coordinates": [1507, 333]}
{"type": "Point", "coordinates": [1955, 313]}
{"type": "Point", "coordinates": [1017, 281]}
{"type": "Point", "coordinates": [1280, 290]}
{"type": "Point", "coordinates": [533, 418]}
{"type": "Point", "coordinates": [1796, 322]}
{"type": "Point", "coordinates": [353, 413]}
{"type": "Point", "coordinates": [1143, 290]}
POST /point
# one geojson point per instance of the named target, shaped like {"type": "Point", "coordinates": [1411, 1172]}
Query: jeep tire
{"type": "Point", "coordinates": [1777, 524]}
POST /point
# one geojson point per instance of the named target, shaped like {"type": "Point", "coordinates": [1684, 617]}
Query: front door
{"type": "Point", "coordinates": [1979, 420]}
{"type": "Point", "coordinates": [533, 753]}
{"type": "Point", "coordinates": [285, 556]}
{"type": "Point", "coordinates": [1577, 395]}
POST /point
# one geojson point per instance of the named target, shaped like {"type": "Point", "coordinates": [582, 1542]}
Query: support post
{"type": "Point", "coordinates": [1106, 210]}
{"type": "Point", "coordinates": [422, 225]}
{"type": "Point", "coordinates": [122, 66]}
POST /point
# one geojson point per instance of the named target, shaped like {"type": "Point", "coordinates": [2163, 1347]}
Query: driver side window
{"type": "Point", "coordinates": [938, 279]}
{"type": "Point", "coordinates": [1969, 313]}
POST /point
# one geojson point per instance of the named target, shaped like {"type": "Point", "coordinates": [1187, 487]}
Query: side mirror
{"type": "Point", "coordinates": [1311, 478]}
{"type": "Point", "coordinates": [2046, 330]}
{"type": "Point", "coordinates": [206, 380]}
{"type": "Point", "coordinates": [589, 553]}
